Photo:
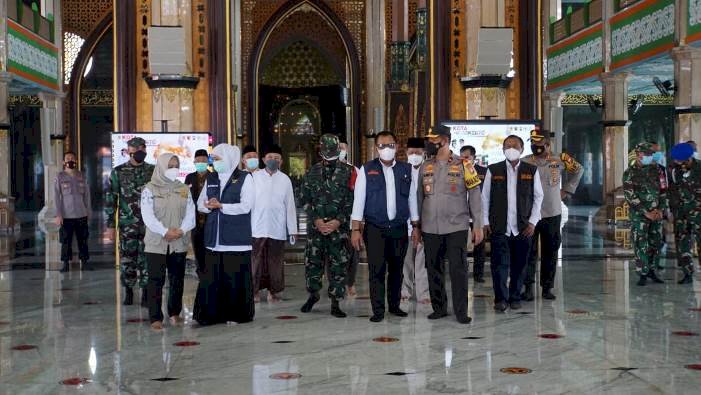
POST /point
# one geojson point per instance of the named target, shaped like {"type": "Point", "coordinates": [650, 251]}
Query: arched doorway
{"type": "Point", "coordinates": [304, 54]}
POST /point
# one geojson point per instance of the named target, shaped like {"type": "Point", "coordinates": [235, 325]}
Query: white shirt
{"type": "Point", "coordinates": [511, 183]}
{"type": "Point", "coordinates": [248, 199]}
{"type": "Point", "coordinates": [275, 214]}
{"type": "Point", "coordinates": [360, 191]}
{"type": "Point", "coordinates": [154, 225]}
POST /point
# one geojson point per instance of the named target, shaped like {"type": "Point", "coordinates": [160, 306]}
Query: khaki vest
{"type": "Point", "coordinates": [169, 207]}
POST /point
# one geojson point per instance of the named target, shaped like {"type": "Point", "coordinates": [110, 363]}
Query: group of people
{"type": "Point", "coordinates": [655, 193]}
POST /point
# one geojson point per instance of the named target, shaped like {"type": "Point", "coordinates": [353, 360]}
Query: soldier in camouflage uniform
{"type": "Point", "coordinates": [647, 200]}
{"type": "Point", "coordinates": [124, 194]}
{"type": "Point", "coordinates": [685, 203]}
{"type": "Point", "coordinates": [327, 194]}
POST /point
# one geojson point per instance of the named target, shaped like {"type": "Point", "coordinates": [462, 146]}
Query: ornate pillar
{"type": "Point", "coordinates": [125, 78]}
{"type": "Point", "coordinates": [552, 117]}
{"type": "Point", "coordinates": [687, 98]}
{"type": "Point", "coordinates": [438, 65]}
{"type": "Point", "coordinates": [7, 202]}
{"type": "Point", "coordinates": [615, 122]}
{"type": "Point", "coordinates": [52, 132]}
{"type": "Point", "coordinates": [375, 63]}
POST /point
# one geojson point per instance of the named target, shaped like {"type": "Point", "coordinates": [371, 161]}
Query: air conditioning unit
{"type": "Point", "coordinates": [495, 51]}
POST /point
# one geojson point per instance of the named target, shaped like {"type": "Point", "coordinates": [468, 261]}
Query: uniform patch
{"type": "Point", "coordinates": [373, 173]}
{"type": "Point", "coordinates": [498, 178]}
{"type": "Point", "coordinates": [526, 176]}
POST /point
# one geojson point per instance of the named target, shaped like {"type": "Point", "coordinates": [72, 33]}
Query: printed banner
{"type": "Point", "coordinates": [487, 138]}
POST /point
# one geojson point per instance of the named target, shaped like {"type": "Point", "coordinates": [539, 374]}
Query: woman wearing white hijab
{"type": "Point", "coordinates": [225, 292]}
{"type": "Point", "coordinates": [169, 215]}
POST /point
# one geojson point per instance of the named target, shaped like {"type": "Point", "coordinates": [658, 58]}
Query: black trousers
{"type": "Point", "coordinates": [200, 250]}
{"type": "Point", "coordinates": [386, 248]}
{"type": "Point", "coordinates": [509, 258]}
{"type": "Point", "coordinates": [548, 232]}
{"type": "Point", "coordinates": [225, 292]}
{"type": "Point", "coordinates": [157, 265]}
{"type": "Point", "coordinates": [353, 262]}
{"type": "Point", "coordinates": [79, 228]}
{"type": "Point", "coordinates": [436, 249]}
{"type": "Point", "coordinates": [479, 254]}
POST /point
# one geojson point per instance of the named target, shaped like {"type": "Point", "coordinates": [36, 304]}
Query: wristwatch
{"type": "Point", "coordinates": [416, 224]}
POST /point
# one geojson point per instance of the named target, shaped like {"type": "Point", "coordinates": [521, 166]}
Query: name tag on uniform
{"type": "Point", "coordinates": [498, 178]}
{"type": "Point", "coordinates": [526, 177]}
{"type": "Point", "coordinates": [373, 173]}
{"type": "Point", "coordinates": [213, 186]}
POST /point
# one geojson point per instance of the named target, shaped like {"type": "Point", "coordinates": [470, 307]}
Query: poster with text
{"type": "Point", "coordinates": [184, 145]}
{"type": "Point", "coordinates": [488, 137]}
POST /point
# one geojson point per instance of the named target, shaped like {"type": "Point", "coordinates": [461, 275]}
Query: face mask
{"type": "Point", "coordinates": [272, 164]}
{"type": "Point", "coordinates": [416, 159]}
{"type": "Point", "coordinates": [537, 149]}
{"type": "Point", "coordinates": [200, 167]}
{"type": "Point", "coordinates": [658, 157]}
{"type": "Point", "coordinates": [697, 156]}
{"type": "Point", "coordinates": [172, 173]}
{"type": "Point", "coordinates": [512, 154]}
{"type": "Point", "coordinates": [646, 160]}
{"type": "Point", "coordinates": [220, 166]}
{"type": "Point", "coordinates": [71, 164]}
{"type": "Point", "coordinates": [252, 163]}
{"type": "Point", "coordinates": [387, 154]}
{"type": "Point", "coordinates": [432, 148]}
{"type": "Point", "coordinates": [342, 156]}
{"type": "Point", "coordinates": [139, 156]}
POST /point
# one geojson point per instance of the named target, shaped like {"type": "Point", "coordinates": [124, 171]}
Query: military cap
{"type": "Point", "coordinates": [682, 152]}
{"type": "Point", "coordinates": [438, 131]}
{"type": "Point", "coordinates": [538, 136]}
{"type": "Point", "coordinates": [645, 148]}
{"type": "Point", "coordinates": [136, 142]}
{"type": "Point", "coordinates": [329, 146]}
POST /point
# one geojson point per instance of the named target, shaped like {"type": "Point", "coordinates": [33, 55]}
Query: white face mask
{"type": "Point", "coordinates": [172, 173]}
{"type": "Point", "coordinates": [416, 159]}
{"type": "Point", "coordinates": [342, 156]}
{"type": "Point", "coordinates": [697, 156]}
{"type": "Point", "coordinates": [387, 154]}
{"type": "Point", "coordinates": [512, 154]}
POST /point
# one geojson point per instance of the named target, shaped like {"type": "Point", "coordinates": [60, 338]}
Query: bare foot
{"type": "Point", "coordinates": [425, 301]}
{"type": "Point", "coordinates": [157, 326]}
{"type": "Point", "coordinates": [274, 298]}
{"type": "Point", "coordinates": [351, 291]}
{"type": "Point", "coordinates": [176, 320]}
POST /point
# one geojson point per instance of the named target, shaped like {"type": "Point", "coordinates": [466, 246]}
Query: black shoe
{"type": "Point", "coordinates": [436, 315]}
{"type": "Point", "coordinates": [686, 280]}
{"type": "Point", "coordinates": [336, 310]}
{"type": "Point", "coordinates": [398, 312]}
{"type": "Point", "coordinates": [65, 267]}
{"type": "Point", "coordinates": [652, 276]}
{"type": "Point", "coordinates": [377, 318]}
{"type": "Point", "coordinates": [547, 294]}
{"type": "Point", "coordinates": [527, 295]}
{"type": "Point", "coordinates": [464, 320]}
{"type": "Point", "coordinates": [642, 281]}
{"type": "Point", "coordinates": [500, 306]}
{"type": "Point", "coordinates": [129, 296]}
{"type": "Point", "coordinates": [515, 305]}
{"type": "Point", "coordinates": [313, 298]}
{"type": "Point", "coordinates": [84, 265]}
{"type": "Point", "coordinates": [144, 298]}
{"type": "Point", "coordinates": [479, 279]}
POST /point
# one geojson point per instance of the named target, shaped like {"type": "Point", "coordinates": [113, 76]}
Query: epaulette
{"type": "Point", "coordinates": [571, 165]}
{"type": "Point", "coordinates": [472, 179]}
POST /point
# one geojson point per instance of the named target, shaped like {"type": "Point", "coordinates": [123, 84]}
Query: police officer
{"type": "Point", "coordinates": [327, 193]}
{"type": "Point", "coordinates": [643, 192]}
{"type": "Point", "coordinates": [547, 231]}
{"type": "Point", "coordinates": [385, 198]}
{"type": "Point", "coordinates": [479, 254]}
{"type": "Point", "coordinates": [126, 182]}
{"type": "Point", "coordinates": [685, 203]}
{"type": "Point", "coordinates": [72, 211]}
{"type": "Point", "coordinates": [448, 196]}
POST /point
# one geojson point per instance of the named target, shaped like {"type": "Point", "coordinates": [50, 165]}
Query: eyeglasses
{"type": "Point", "coordinates": [390, 145]}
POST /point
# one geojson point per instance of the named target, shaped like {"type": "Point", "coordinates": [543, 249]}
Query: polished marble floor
{"type": "Point", "coordinates": [66, 333]}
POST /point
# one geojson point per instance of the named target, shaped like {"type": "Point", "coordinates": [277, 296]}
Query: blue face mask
{"type": "Point", "coordinates": [658, 157]}
{"type": "Point", "coordinates": [201, 167]}
{"type": "Point", "coordinates": [646, 160]}
{"type": "Point", "coordinates": [221, 167]}
{"type": "Point", "coordinates": [252, 163]}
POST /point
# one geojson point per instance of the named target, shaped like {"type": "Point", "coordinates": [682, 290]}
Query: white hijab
{"type": "Point", "coordinates": [229, 154]}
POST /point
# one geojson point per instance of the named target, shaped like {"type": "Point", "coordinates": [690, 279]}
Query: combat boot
{"type": "Point", "coordinates": [313, 298]}
{"type": "Point", "coordinates": [129, 297]}
{"type": "Point", "coordinates": [652, 276]}
{"type": "Point", "coordinates": [642, 281]}
{"type": "Point", "coordinates": [686, 280]}
{"type": "Point", "coordinates": [65, 267]}
{"type": "Point", "coordinates": [336, 310]}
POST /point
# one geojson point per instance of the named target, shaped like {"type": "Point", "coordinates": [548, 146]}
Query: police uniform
{"type": "Point", "coordinates": [448, 197]}
{"type": "Point", "coordinates": [547, 231]}
{"type": "Point", "coordinates": [73, 205]}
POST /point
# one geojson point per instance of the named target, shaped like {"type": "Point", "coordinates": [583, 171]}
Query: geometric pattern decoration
{"type": "Point", "coordinates": [298, 66]}
{"type": "Point", "coordinates": [31, 57]}
{"type": "Point", "coordinates": [642, 31]}
{"type": "Point", "coordinates": [576, 58]}
{"type": "Point", "coordinates": [694, 26]}
{"type": "Point", "coordinates": [72, 43]}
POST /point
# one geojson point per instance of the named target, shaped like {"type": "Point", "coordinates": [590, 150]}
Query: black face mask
{"type": "Point", "coordinates": [432, 148]}
{"type": "Point", "coordinates": [139, 156]}
{"type": "Point", "coordinates": [71, 164]}
{"type": "Point", "coordinates": [537, 149]}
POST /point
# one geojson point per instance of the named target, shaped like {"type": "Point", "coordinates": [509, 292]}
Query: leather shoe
{"type": "Point", "coordinates": [398, 312]}
{"type": "Point", "coordinates": [686, 280]}
{"type": "Point", "coordinates": [527, 295]}
{"type": "Point", "coordinates": [515, 305]}
{"type": "Point", "coordinates": [500, 306]}
{"type": "Point", "coordinates": [436, 315]}
{"type": "Point", "coordinates": [377, 318]}
{"type": "Point", "coordinates": [547, 294]}
{"type": "Point", "coordinates": [464, 320]}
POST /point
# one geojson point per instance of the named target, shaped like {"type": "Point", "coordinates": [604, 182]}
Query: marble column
{"type": "Point", "coordinates": [615, 122]}
{"type": "Point", "coordinates": [51, 119]}
{"type": "Point", "coordinates": [687, 98]}
{"type": "Point", "coordinates": [438, 65]}
{"type": "Point", "coordinates": [375, 65]}
{"type": "Point", "coordinates": [7, 210]}
{"type": "Point", "coordinates": [552, 117]}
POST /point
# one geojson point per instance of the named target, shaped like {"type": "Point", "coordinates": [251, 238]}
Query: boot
{"type": "Point", "coordinates": [313, 298]}
{"type": "Point", "coordinates": [652, 276]}
{"type": "Point", "coordinates": [129, 297]}
{"type": "Point", "coordinates": [686, 280]}
{"type": "Point", "coordinates": [336, 310]}
{"type": "Point", "coordinates": [65, 267]}
{"type": "Point", "coordinates": [643, 280]}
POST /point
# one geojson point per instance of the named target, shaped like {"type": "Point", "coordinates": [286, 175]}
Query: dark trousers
{"type": "Point", "coordinates": [509, 257]}
{"type": "Point", "coordinates": [479, 254]}
{"type": "Point", "coordinates": [197, 236]}
{"type": "Point", "coordinates": [548, 232]}
{"type": "Point", "coordinates": [225, 292]}
{"type": "Point", "coordinates": [386, 248]}
{"type": "Point", "coordinates": [268, 265]}
{"type": "Point", "coordinates": [157, 265]}
{"type": "Point", "coordinates": [352, 265]}
{"type": "Point", "coordinates": [436, 249]}
{"type": "Point", "coordinates": [79, 228]}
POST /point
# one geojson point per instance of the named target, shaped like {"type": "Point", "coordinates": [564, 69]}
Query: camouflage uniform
{"type": "Point", "coordinates": [685, 203]}
{"type": "Point", "coordinates": [643, 192]}
{"type": "Point", "coordinates": [327, 193]}
{"type": "Point", "coordinates": [126, 183]}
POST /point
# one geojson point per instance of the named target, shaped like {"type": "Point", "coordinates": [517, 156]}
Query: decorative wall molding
{"type": "Point", "coordinates": [581, 100]}
{"type": "Point", "coordinates": [642, 31]}
{"type": "Point", "coordinates": [693, 29]}
{"type": "Point", "coordinates": [575, 59]}
{"type": "Point", "coordinates": [31, 57]}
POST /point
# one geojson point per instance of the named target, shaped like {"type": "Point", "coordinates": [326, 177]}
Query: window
{"type": "Point", "coordinates": [72, 43]}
